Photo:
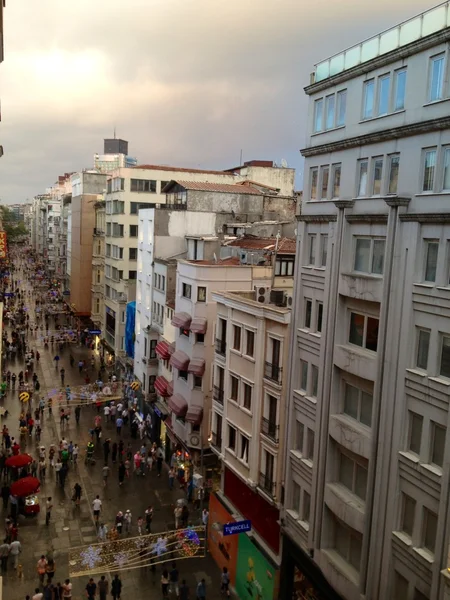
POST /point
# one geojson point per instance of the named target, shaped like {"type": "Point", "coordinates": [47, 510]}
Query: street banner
{"type": "Point", "coordinates": [2, 244]}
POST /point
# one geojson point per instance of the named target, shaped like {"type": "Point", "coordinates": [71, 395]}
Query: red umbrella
{"type": "Point", "coordinates": [21, 460]}
{"type": "Point", "coordinates": [25, 487]}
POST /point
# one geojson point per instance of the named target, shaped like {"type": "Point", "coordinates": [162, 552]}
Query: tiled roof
{"type": "Point", "coordinates": [180, 169]}
{"type": "Point", "coordinates": [226, 188]}
{"type": "Point", "coordinates": [285, 245]}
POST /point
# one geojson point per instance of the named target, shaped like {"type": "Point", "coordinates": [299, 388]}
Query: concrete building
{"type": "Point", "coordinates": [367, 467]}
{"type": "Point", "coordinates": [98, 269]}
{"type": "Point", "coordinates": [87, 189]}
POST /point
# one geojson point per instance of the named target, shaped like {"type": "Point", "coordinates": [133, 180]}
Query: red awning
{"type": "Point", "coordinates": [182, 320]}
{"type": "Point", "coordinates": [161, 385]}
{"type": "Point", "coordinates": [198, 325]}
{"type": "Point", "coordinates": [197, 367]}
{"type": "Point", "coordinates": [162, 349]}
{"type": "Point", "coordinates": [178, 405]}
{"type": "Point", "coordinates": [179, 360]}
{"type": "Point", "coordinates": [169, 388]}
{"type": "Point", "coordinates": [194, 415]}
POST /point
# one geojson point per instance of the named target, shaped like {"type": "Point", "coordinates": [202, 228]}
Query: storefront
{"type": "Point", "coordinates": [256, 575]}
{"type": "Point", "coordinates": [158, 413]}
{"type": "Point", "coordinates": [223, 549]}
{"type": "Point", "coordinates": [300, 578]}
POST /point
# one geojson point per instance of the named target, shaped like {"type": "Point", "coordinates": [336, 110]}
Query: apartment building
{"type": "Point", "coordinates": [367, 465]}
{"type": "Point", "coordinates": [98, 269]}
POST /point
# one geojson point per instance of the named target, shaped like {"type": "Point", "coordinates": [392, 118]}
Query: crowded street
{"type": "Point", "coordinates": [80, 502]}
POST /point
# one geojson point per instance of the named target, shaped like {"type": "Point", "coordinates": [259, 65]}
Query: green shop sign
{"type": "Point", "coordinates": [255, 576]}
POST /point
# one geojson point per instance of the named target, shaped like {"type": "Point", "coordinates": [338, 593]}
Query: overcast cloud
{"type": "Point", "coordinates": [186, 82]}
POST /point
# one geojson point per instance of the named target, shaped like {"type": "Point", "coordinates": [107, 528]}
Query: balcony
{"type": "Point", "coordinates": [273, 372]}
{"type": "Point", "coordinates": [216, 440]}
{"type": "Point", "coordinates": [218, 394]}
{"type": "Point", "coordinates": [221, 347]}
{"type": "Point", "coordinates": [267, 484]}
{"type": "Point", "coordinates": [270, 429]}
{"type": "Point", "coordinates": [98, 231]}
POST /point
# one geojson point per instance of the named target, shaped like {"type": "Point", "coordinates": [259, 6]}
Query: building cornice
{"type": "Point", "coordinates": [375, 218]}
{"type": "Point", "coordinates": [375, 137]}
{"type": "Point", "coordinates": [415, 47]}
{"type": "Point", "coordinates": [425, 217]}
{"type": "Point", "coordinates": [316, 218]}
{"type": "Point", "coordinates": [256, 309]}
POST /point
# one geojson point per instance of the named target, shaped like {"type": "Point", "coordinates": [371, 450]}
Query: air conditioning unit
{"type": "Point", "coordinates": [195, 440]}
{"type": "Point", "coordinates": [197, 480]}
{"type": "Point", "coordinates": [144, 360]}
{"type": "Point", "coordinates": [262, 294]}
{"type": "Point", "coordinates": [288, 300]}
{"type": "Point", "coordinates": [277, 297]}
{"type": "Point", "coordinates": [244, 258]}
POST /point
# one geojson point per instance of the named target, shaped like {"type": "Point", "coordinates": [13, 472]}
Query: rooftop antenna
{"type": "Point", "coordinates": [240, 159]}
{"type": "Point", "coordinates": [114, 132]}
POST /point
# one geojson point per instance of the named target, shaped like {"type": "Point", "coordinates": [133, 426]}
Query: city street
{"type": "Point", "coordinates": [74, 526]}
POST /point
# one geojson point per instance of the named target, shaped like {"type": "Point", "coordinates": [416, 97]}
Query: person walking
{"type": "Point", "coordinates": [67, 590]}
{"type": "Point", "coordinates": [62, 374]}
{"type": "Point", "coordinates": [116, 587]}
{"type": "Point", "coordinates": [148, 519]}
{"type": "Point", "coordinates": [171, 478]}
{"type": "Point", "coordinates": [91, 589]}
{"type": "Point", "coordinates": [50, 570]}
{"type": "Point", "coordinates": [225, 582]}
{"type": "Point", "coordinates": [41, 568]}
{"type": "Point", "coordinates": [201, 590]}
{"type": "Point", "coordinates": [127, 518]}
{"type": "Point", "coordinates": [106, 450]}
{"type": "Point", "coordinates": [77, 414]}
{"type": "Point", "coordinates": [173, 580]}
{"type": "Point", "coordinates": [102, 586]}
{"type": "Point", "coordinates": [119, 424]}
{"type": "Point", "coordinates": [102, 532]}
{"type": "Point", "coordinates": [165, 583]}
{"type": "Point", "coordinates": [184, 591]}
{"type": "Point", "coordinates": [97, 506]}
{"type": "Point", "coordinates": [77, 490]}
{"type": "Point", "coordinates": [121, 472]}
{"type": "Point", "coordinates": [48, 510]}
{"type": "Point", "coordinates": [4, 554]}
{"type": "Point", "coordinates": [114, 452]}
{"type": "Point", "coordinates": [178, 511]}
{"type": "Point", "coordinates": [105, 473]}
{"type": "Point", "coordinates": [159, 462]}
{"type": "Point", "coordinates": [15, 548]}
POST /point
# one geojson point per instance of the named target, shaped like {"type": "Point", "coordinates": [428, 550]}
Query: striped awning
{"type": "Point", "coordinates": [198, 325]}
{"type": "Point", "coordinates": [179, 360]}
{"type": "Point", "coordinates": [161, 386]}
{"type": "Point", "coordinates": [197, 367]}
{"type": "Point", "coordinates": [194, 415]}
{"type": "Point", "coordinates": [163, 350]}
{"type": "Point", "coordinates": [178, 405]}
{"type": "Point", "coordinates": [182, 320]}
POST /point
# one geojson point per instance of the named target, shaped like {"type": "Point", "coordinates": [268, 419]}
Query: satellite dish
{"type": "Point", "coordinates": [284, 163]}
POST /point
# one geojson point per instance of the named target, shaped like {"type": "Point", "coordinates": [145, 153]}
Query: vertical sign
{"type": "Point", "coordinates": [2, 244]}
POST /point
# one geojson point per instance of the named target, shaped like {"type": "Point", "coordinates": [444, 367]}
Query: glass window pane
{"type": "Point", "coordinates": [372, 334]}
{"type": "Point", "coordinates": [330, 104]}
{"type": "Point", "coordinates": [355, 552]}
{"type": "Point", "coordinates": [299, 436]}
{"type": "Point", "coordinates": [324, 250]}
{"type": "Point", "coordinates": [383, 99]}
{"type": "Point", "coordinates": [360, 482]}
{"type": "Point", "coordinates": [429, 170]}
{"type": "Point", "coordinates": [378, 257]}
{"type": "Point", "coordinates": [346, 466]}
{"type": "Point", "coordinates": [310, 446]}
{"type": "Point", "coordinates": [445, 357]}
{"type": "Point", "coordinates": [318, 115]}
{"type": "Point", "coordinates": [377, 176]}
{"type": "Point", "coordinates": [369, 90]}
{"type": "Point", "coordinates": [314, 380]}
{"type": "Point", "coordinates": [319, 316]}
{"type": "Point", "coordinates": [437, 78]}
{"type": "Point", "coordinates": [429, 540]}
{"type": "Point", "coordinates": [393, 174]}
{"type": "Point", "coordinates": [351, 401]}
{"type": "Point", "coordinates": [408, 510]}
{"type": "Point", "coordinates": [312, 249]}
{"type": "Point", "coordinates": [432, 249]}
{"type": "Point", "coordinates": [446, 184]}
{"type": "Point", "coordinates": [325, 172]}
{"type": "Point", "coordinates": [336, 181]}
{"type": "Point", "coordinates": [400, 90]}
{"type": "Point", "coordinates": [362, 183]}
{"type": "Point", "coordinates": [295, 497]}
{"type": "Point", "coordinates": [314, 178]}
{"type": "Point", "coordinates": [415, 432]}
{"type": "Point", "coordinates": [422, 349]}
{"type": "Point", "coordinates": [342, 541]}
{"type": "Point", "coordinates": [362, 255]}
{"type": "Point", "coordinates": [306, 506]}
{"type": "Point", "coordinates": [401, 586]}
{"type": "Point", "coordinates": [366, 409]}
{"type": "Point", "coordinates": [341, 107]}
{"type": "Point", "coordinates": [308, 311]}
{"type": "Point", "coordinates": [356, 329]}
{"type": "Point", "coordinates": [304, 375]}
{"type": "Point", "coordinates": [437, 454]}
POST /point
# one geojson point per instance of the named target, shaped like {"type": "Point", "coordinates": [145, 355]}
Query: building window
{"type": "Point", "coordinates": [324, 177]}
{"type": "Point", "coordinates": [143, 185]}
{"type": "Point", "coordinates": [341, 108]}
{"type": "Point", "coordinates": [429, 530]}
{"type": "Point", "coordinates": [296, 492]}
{"type": "Point", "coordinates": [362, 177]}
{"type": "Point", "coordinates": [198, 382]}
{"type": "Point", "coordinates": [232, 438]}
{"type": "Point", "coordinates": [236, 337]}
{"type": "Point", "coordinates": [408, 514]}
{"type": "Point", "coordinates": [319, 315]}
{"type": "Point", "coordinates": [244, 449]}
{"type": "Point", "coordinates": [394, 164]}
{"type": "Point", "coordinates": [446, 182]}
{"type": "Point", "coordinates": [329, 111]}
{"type": "Point", "coordinates": [312, 250]}
{"type": "Point", "coordinates": [347, 543]}
{"type": "Point", "coordinates": [314, 380]}
{"type": "Point", "coordinates": [369, 97]}
{"type": "Point", "coordinates": [247, 402]}
{"type": "Point", "coordinates": [415, 432]}
{"type": "Point", "coordinates": [309, 444]}
{"type": "Point", "coordinates": [429, 169]}
{"type": "Point", "coordinates": [303, 375]}
{"type": "Point", "coordinates": [336, 191]}
{"type": "Point", "coordinates": [132, 275]}
{"type": "Point", "coordinates": [401, 586]}
{"type": "Point", "coordinates": [308, 313]}
{"type": "Point", "coordinates": [318, 115]}
{"type": "Point", "coordinates": [132, 254]}
{"type": "Point", "coordinates": [323, 250]}
{"type": "Point", "coordinates": [250, 346]}
{"type": "Point", "coordinates": [436, 78]}
{"type": "Point", "coordinates": [153, 344]}
{"type": "Point", "coordinates": [234, 392]}
{"type": "Point", "coordinates": [369, 255]}
{"type": "Point", "coordinates": [201, 294]}
{"type": "Point", "coordinates": [423, 346]}
{"type": "Point", "coordinates": [284, 266]}
{"type": "Point", "coordinates": [183, 375]}
{"type": "Point", "coordinates": [358, 404]}
{"type": "Point", "coordinates": [299, 436]}
{"type": "Point", "coordinates": [186, 290]}
{"type": "Point", "coordinates": [306, 509]}
{"type": "Point", "coordinates": [438, 434]}
{"type": "Point", "coordinates": [363, 331]}
{"type": "Point", "coordinates": [384, 86]}
{"type": "Point", "coordinates": [200, 338]}
{"type": "Point", "coordinates": [133, 230]}
{"type": "Point", "coordinates": [314, 175]}
{"type": "Point", "coordinates": [353, 474]}
{"type": "Point", "coordinates": [445, 357]}
{"type": "Point", "coordinates": [400, 89]}
{"type": "Point", "coordinates": [431, 249]}
{"type": "Point", "coordinates": [377, 176]}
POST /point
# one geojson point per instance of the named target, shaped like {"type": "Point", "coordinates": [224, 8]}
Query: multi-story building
{"type": "Point", "coordinates": [98, 269]}
{"type": "Point", "coordinates": [115, 156]}
{"type": "Point", "coordinates": [367, 473]}
{"type": "Point", "coordinates": [2, 5]}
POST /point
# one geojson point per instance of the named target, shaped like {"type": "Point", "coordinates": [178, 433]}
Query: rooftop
{"type": "Point", "coordinates": [180, 169]}
{"type": "Point", "coordinates": [225, 188]}
{"type": "Point", "coordinates": [420, 26]}
{"type": "Point", "coordinates": [285, 245]}
{"type": "Point", "coordinates": [230, 261]}
{"type": "Point", "coordinates": [249, 298]}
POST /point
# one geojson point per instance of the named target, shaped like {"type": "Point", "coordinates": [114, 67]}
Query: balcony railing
{"type": "Point", "coordinates": [218, 394]}
{"type": "Point", "coordinates": [273, 372]}
{"type": "Point", "coordinates": [216, 440]}
{"type": "Point", "coordinates": [221, 347]}
{"type": "Point", "coordinates": [267, 484]}
{"type": "Point", "coordinates": [270, 429]}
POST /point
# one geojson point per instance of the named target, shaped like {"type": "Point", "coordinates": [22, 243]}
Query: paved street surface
{"type": "Point", "coordinates": [73, 526]}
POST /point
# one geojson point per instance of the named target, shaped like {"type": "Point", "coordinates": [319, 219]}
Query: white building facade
{"type": "Point", "coordinates": [367, 471]}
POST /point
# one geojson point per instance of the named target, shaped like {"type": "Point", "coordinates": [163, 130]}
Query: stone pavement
{"type": "Point", "coordinates": [73, 526]}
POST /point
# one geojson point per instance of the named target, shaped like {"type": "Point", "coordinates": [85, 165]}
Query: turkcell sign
{"type": "Point", "coordinates": [95, 331]}
{"type": "Point", "coordinates": [8, 294]}
{"type": "Point", "coordinates": [238, 527]}
{"type": "Point", "coordinates": [66, 293]}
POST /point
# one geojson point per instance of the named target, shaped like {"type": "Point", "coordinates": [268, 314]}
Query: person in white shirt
{"type": "Point", "coordinates": [106, 412]}
{"type": "Point", "coordinates": [38, 595]}
{"type": "Point", "coordinates": [15, 548]}
{"type": "Point", "coordinates": [97, 505]}
{"type": "Point", "coordinates": [127, 519]}
{"type": "Point", "coordinates": [67, 590]}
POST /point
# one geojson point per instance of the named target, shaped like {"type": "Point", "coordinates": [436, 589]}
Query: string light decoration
{"type": "Point", "coordinates": [136, 552]}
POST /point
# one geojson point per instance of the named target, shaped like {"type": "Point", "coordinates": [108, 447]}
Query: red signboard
{"type": "Point", "coordinates": [2, 244]}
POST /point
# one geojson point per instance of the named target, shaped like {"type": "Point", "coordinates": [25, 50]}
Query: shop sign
{"type": "Point", "coordinates": [66, 293]}
{"type": "Point", "coordinates": [238, 527]}
{"type": "Point", "coordinates": [95, 331]}
{"type": "Point", "coordinates": [8, 294]}
{"type": "Point", "coordinates": [255, 576]}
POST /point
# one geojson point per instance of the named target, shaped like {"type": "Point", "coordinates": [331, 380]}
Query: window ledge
{"type": "Point", "coordinates": [417, 372]}
{"type": "Point", "coordinates": [342, 565]}
{"type": "Point", "coordinates": [243, 463]}
{"type": "Point", "coordinates": [297, 454]}
{"type": "Point", "coordinates": [378, 117]}
{"type": "Point", "coordinates": [307, 462]}
{"type": "Point", "coordinates": [433, 102]}
{"type": "Point", "coordinates": [246, 411]}
{"type": "Point", "coordinates": [431, 193]}
{"type": "Point", "coordinates": [428, 286]}
{"type": "Point", "coordinates": [322, 131]}
{"type": "Point", "coordinates": [442, 288]}
{"type": "Point", "coordinates": [432, 468]}
{"type": "Point", "coordinates": [403, 537]}
{"type": "Point", "coordinates": [440, 380]}
{"type": "Point", "coordinates": [233, 402]}
{"type": "Point", "coordinates": [410, 456]}
{"type": "Point", "coordinates": [311, 399]}
{"type": "Point", "coordinates": [236, 352]}
{"type": "Point", "coordinates": [249, 358]}
{"type": "Point", "coordinates": [426, 554]}
{"type": "Point", "coordinates": [314, 201]}
{"type": "Point", "coordinates": [363, 275]}
{"type": "Point", "coordinates": [294, 515]}
{"type": "Point", "coordinates": [316, 334]}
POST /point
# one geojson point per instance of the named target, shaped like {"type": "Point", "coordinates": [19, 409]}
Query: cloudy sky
{"type": "Point", "coordinates": [187, 82]}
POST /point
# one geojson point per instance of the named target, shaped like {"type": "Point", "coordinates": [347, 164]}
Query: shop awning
{"type": "Point", "coordinates": [198, 325]}
{"type": "Point", "coordinates": [161, 385]}
{"type": "Point", "coordinates": [169, 388]}
{"type": "Point", "coordinates": [197, 367]}
{"type": "Point", "coordinates": [161, 410]}
{"type": "Point", "coordinates": [179, 360]}
{"type": "Point", "coordinates": [194, 415]}
{"type": "Point", "coordinates": [178, 405]}
{"type": "Point", "coordinates": [163, 350]}
{"type": "Point", "coordinates": [182, 320]}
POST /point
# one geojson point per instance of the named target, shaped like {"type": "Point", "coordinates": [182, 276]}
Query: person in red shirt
{"type": "Point", "coordinates": [15, 449]}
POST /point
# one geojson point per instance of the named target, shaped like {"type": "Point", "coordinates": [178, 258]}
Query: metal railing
{"type": "Point", "coordinates": [273, 372]}
{"type": "Point", "coordinates": [218, 394]}
{"type": "Point", "coordinates": [270, 429]}
{"type": "Point", "coordinates": [221, 347]}
{"type": "Point", "coordinates": [267, 484]}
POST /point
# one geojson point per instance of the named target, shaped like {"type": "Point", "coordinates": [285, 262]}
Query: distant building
{"type": "Point", "coordinates": [115, 156]}
{"type": "Point", "coordinates": [115, 146]}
